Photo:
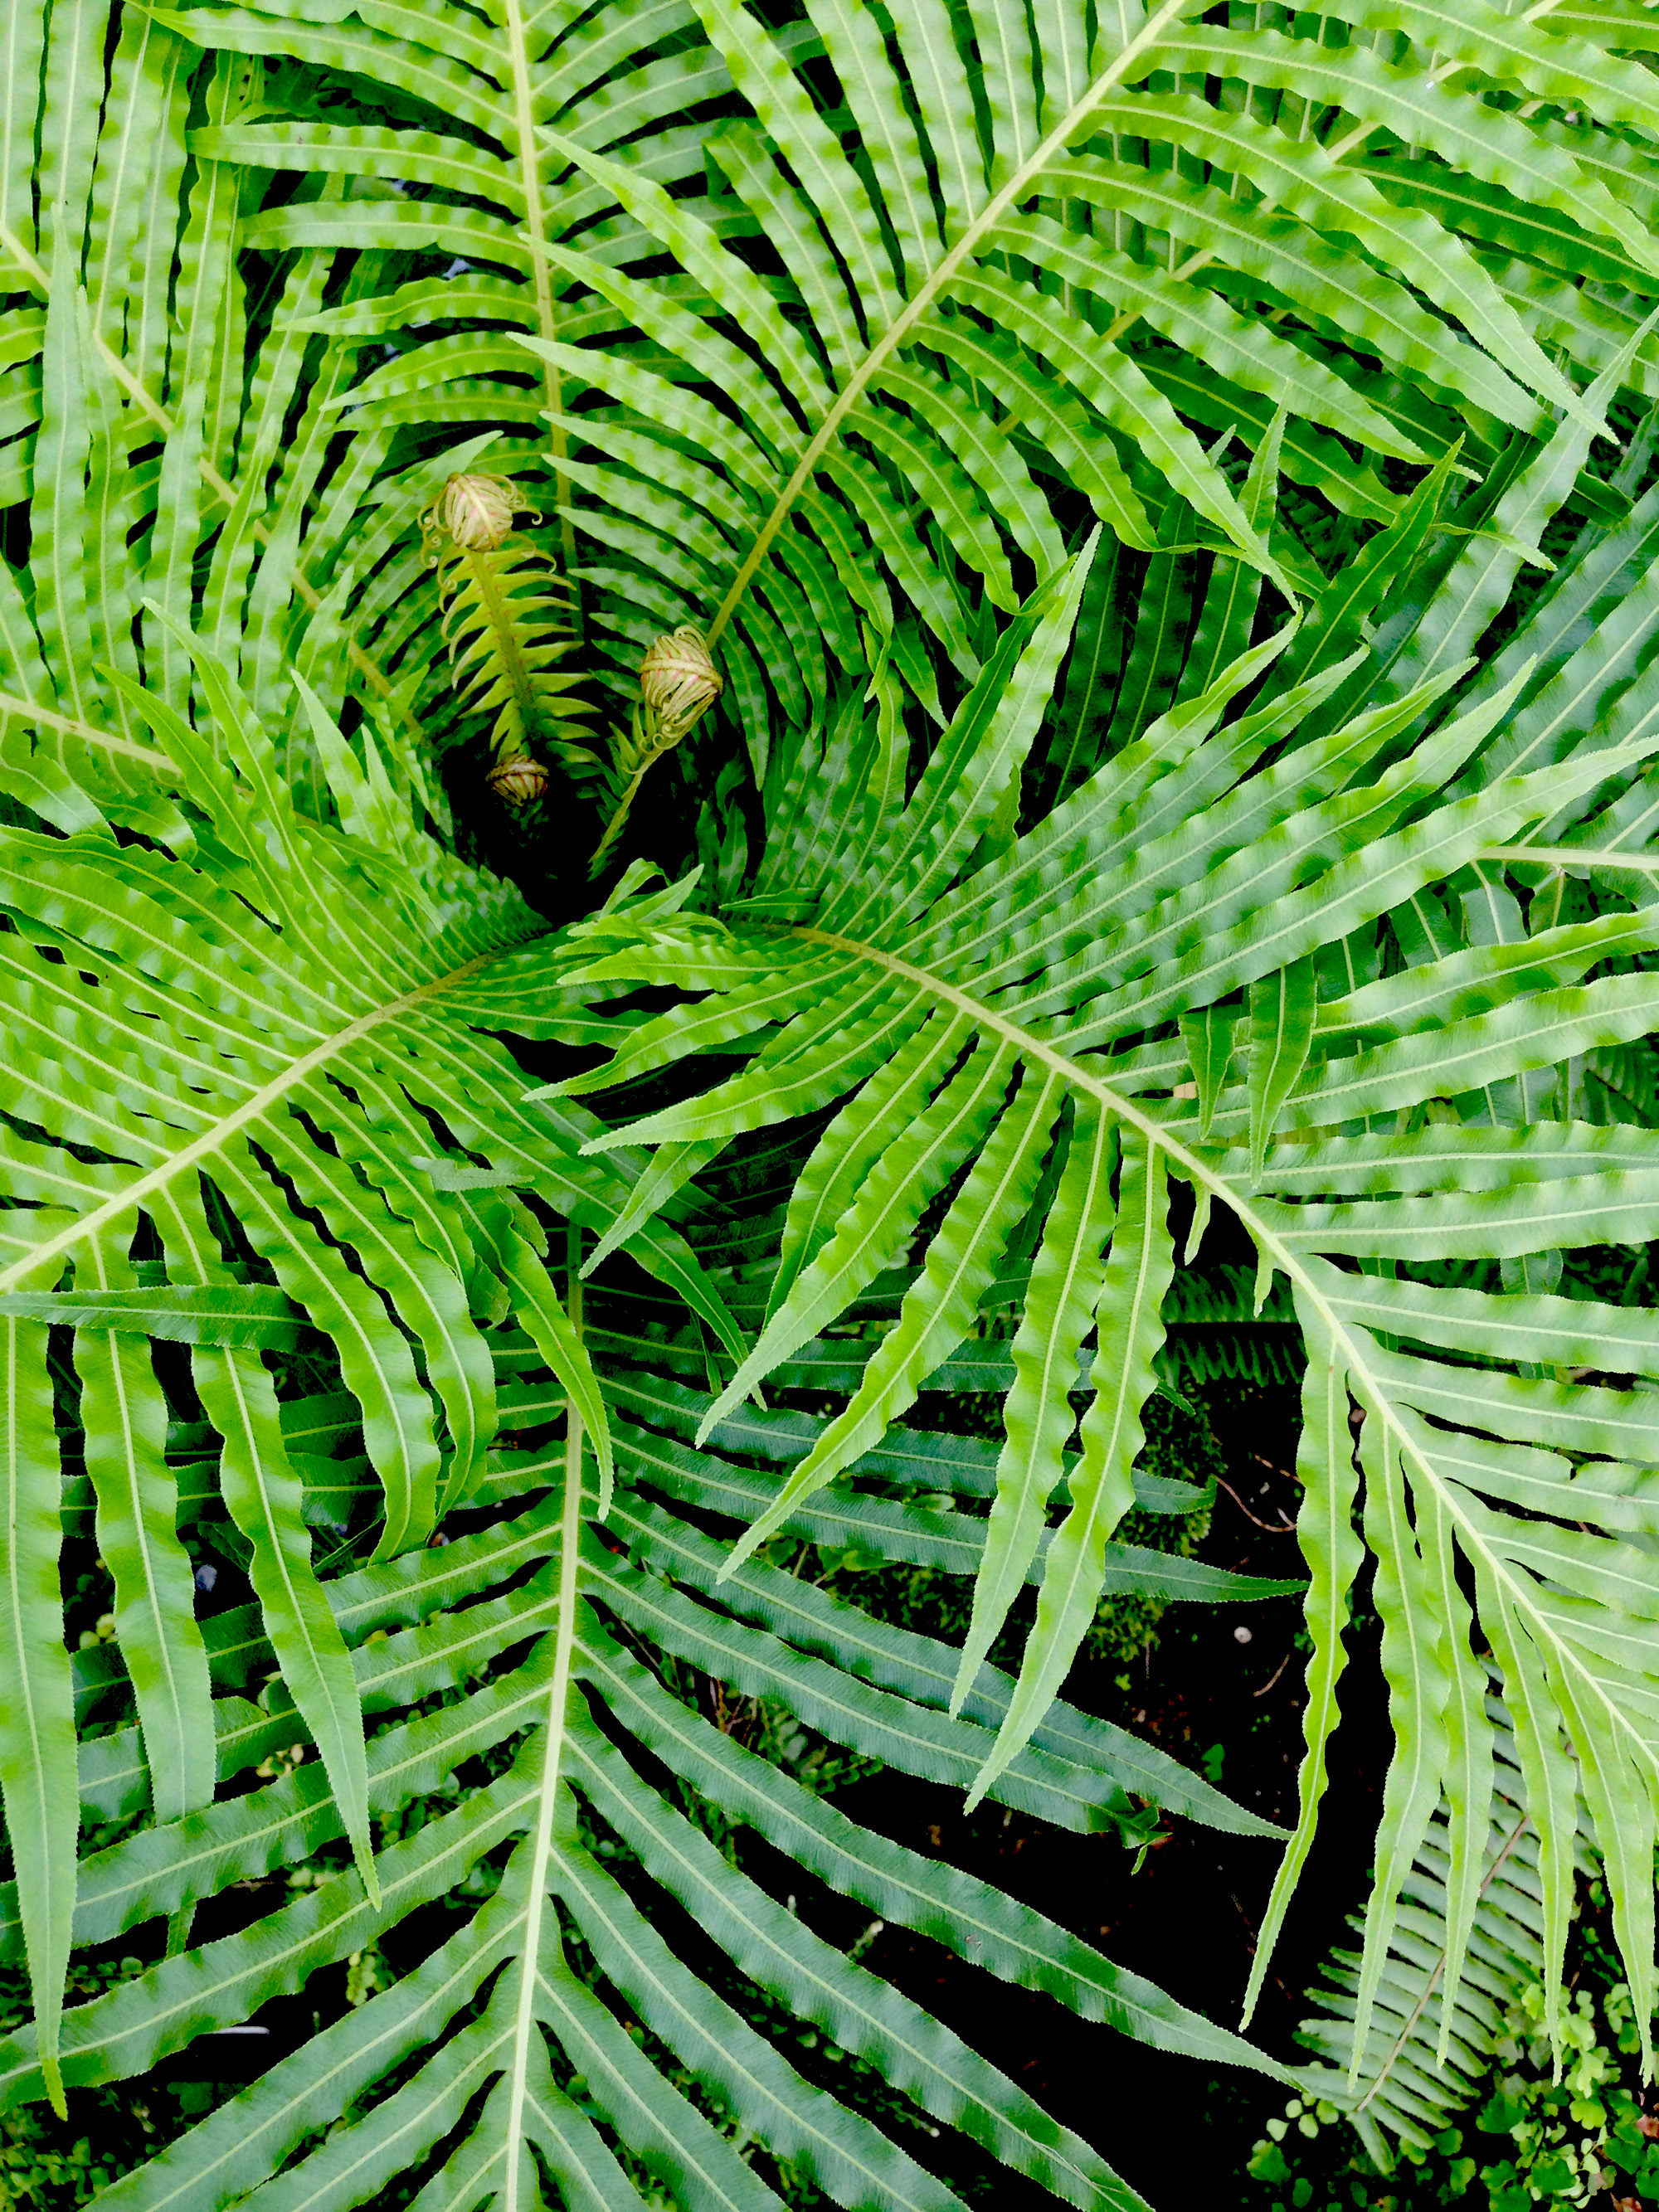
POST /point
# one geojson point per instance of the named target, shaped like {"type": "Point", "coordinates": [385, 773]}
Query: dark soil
{"type": "Point", "coordinates": [1187, 1920]}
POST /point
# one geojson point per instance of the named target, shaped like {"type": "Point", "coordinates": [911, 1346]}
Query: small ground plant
{"type": "Point", "coordinates": [1586, 2134]}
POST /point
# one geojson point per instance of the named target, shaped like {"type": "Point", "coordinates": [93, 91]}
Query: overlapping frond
{"type": "Point", "coordinates": [256, 1048]}
{"type": "Point", "coordinates": [1111, 908]}
{"type": "Point", "coordinates": [979, 257]}
{"type": "Point", "coordinates": [265, 1118]}
{"type": "Point", "coordinates": [177, 453]}
{"type": "Point", "coordinates": [935, 272]}
{"type": "Point", "coordinates": [1282, 959]}
{"type": "Point", "coordinates": [1430, 2045]}
{"type": "Point", "coordinates": [519, 1644]}
{"type": "Point", "coordinates": [447, 204]}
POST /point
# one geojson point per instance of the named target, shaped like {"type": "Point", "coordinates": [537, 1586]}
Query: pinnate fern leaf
{"type": "Point", "coordinates": [1075, 997]}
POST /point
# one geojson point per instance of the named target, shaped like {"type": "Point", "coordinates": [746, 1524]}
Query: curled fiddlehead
{"type": "Point", "coordinates": [506, 635]}
{"type": "Point", "coordinates": [678, 684]}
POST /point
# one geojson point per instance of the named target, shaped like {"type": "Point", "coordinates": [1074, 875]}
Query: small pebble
{"type": "Point", "coordinates": [1241, 1635]}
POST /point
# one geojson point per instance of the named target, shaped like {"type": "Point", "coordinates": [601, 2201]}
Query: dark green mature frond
{"type": "Point", "coordinates": [518, 1644]}
{"type": "Point", "coordinates": [1214, 1333]}
{"type": "Point", "coordinates": [1282, 959]}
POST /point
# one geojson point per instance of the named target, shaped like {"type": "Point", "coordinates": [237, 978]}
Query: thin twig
{"type": "Point", "coordinates": [1286, 1528]}
{"type": "Point", "coordinates": [1284, 1470]}
{"type": "Point", "coordinates": [1251, 1926]}
{"type": "Point", "coordinates": [1275, 1676]}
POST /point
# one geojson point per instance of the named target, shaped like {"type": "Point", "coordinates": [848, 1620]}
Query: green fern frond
{"type": "Point", "coordinates": [264, 1066]}
{"type": "Point", "coordinates": [1076, 272]}
{"type": "Point", "coordinates": [524, 1632]}
{"type": "Point", "coordinates": [214, 1004]}
{"type": "Point", "coordinates": [964, 301]}
{"type": "Point", "coordinates": [506, 635]}
{"type": "Point", "coordinates": [975, 1005]}
{"type": "Point", "coordinates": [1434, 2030]}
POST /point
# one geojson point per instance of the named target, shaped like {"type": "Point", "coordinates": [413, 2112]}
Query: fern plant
{"type": "Point", "coordinates": [1177, 974]}
{"type": "Point", "coordinates": [209, 1127]}
{"type": "Point", "coordinates": [270, 1125]}
{"type": "Point", "coordinates": [930, 269]}
{"type": "Point", "coordinates": [1067, 876]}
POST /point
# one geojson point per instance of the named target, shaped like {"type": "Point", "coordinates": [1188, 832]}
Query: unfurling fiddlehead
{"type": "Point", "coordinates": [506, 635]}
{"type": "Point", "coordinates": [679, 682]}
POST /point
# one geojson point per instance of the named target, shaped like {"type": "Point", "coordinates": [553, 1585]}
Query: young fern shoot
{"type": "Point", "coordinates": [679, 682]}
{"type": "Point", "coordinates": [506, 635]}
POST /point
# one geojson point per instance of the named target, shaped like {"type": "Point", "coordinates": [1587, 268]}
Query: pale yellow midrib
{"type": "Point", "coordinates": [202, 1148]}
{"type": "Point", "coordinates": [570, 1524]}
{"type": "Point", "coordinates": [28, 710]}
{"type": "Point", "coordinates": [1019, 187]}
{"type": "Point", "coordinates": [497, 614]}
{"type": "Point", "coordinates": [535, 224]}
{"type": "Point", "coordinates": [1564, 856]}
